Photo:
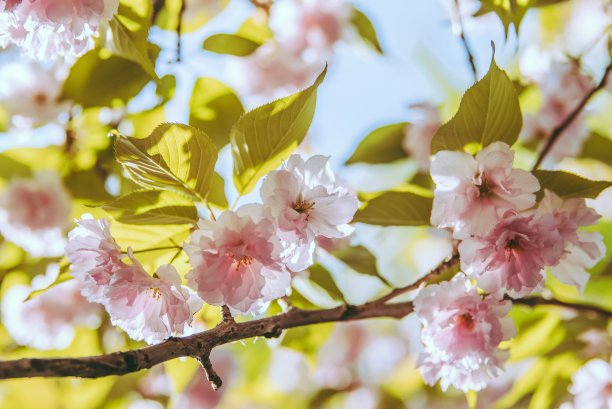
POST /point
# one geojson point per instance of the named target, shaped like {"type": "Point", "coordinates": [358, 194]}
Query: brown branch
{"type": "Point", "coordinates": [441, 269]}
{"type": "Point", "coordinates": [212, 376]}
{"type": "Point", "coordinates": [179, 28]}
{"type": "Point", "coordinates": [464, 41]}
{"type": "Point", "coordinates": [588, 308]}
{"type": "Point", "coordinates": [570, 118]}
{"type": "Point", "coordinates": [265, 5]}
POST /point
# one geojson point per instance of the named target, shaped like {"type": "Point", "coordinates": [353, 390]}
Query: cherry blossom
{"type": "Point", "coordinates": [34, 214]}
{"type": "Point", "coordinates": [30, 93]}
{"type": "Point", "coordinates": [306, 201]}
{"type": "Point", "coordinates": [47, 321]}
{"type": "Point", "coordinates": [461, 333]}
{"type": "Point", "coordinates": [150, 308]}
{"type": "Point", "coordinates": [472, 194]}
{"type": "Point", "coordinates": [513, 256]}
{"type": "Point", "coordinates": [235, 262]}
{"type": "Point", "coordinates": [418, 135]}
{"type": "Point", "coordinates": [582, 249]}
{"type": "Point", "coordinates": [592, 385]}
{"type": "Point", "coordinates": [49, 28]}
{"type": "Point", "coordinates": [94, 255]}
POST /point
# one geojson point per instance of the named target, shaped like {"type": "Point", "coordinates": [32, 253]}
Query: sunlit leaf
{"type": "Point", "coordinates": [320, 276]}
{"type": "Point", "coordinates": [152, 207]}
{"type": "Point", "coordinates": [396, 209]}
{"type": "Point", "coordinates": [361, 260]}
{"type": "Point", "coordinates": [216, 195]}
{"type": "Point", "coordinates": [383, 145]}
{"type": "Point", "coordinates": [165, 88]}
{"type": "Point", "coordinates": [489, 112]}
{"type": "Point", "coordinates": [174, 157]}
{"type": "Point", "coordinates": [568, 185]}
{"type": "Point", "coordinates": [365, 29]}
{"type": "Point", "coordinates": [598, 147]}
{"type": "Point", "coordinates": [231, 44]}
{"type": "Point", "coordinates": [214, 108]}
{"type": "Point", "coordinates": [254, 31]}
{"type": "Point", "coordinates": [265, 136]}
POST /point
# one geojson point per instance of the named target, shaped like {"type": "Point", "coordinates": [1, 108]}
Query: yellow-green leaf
{"type": "Point", "coordinates": [321, 277]}
{"type": "Point", "coordinates": [231, 44]}
{"type": "Point", "coordinates": [489, 111]}
{"type": "Point", "coordinates": [568, 185]}
{"type": "Point", "coordinates": [263, 137]}
{"type": "Point", "coordinates": [152, 207]}
{"type": "Point", "coordinates": [361, 260]}
{"type": "Point", "coordinates": [365, 29]}
{"type": "Point", "coordinates": [382, 145]}
{"type": "Point", "coordinates": [396, 209]}
{"type": "Point", "coordinates": [174, 157]}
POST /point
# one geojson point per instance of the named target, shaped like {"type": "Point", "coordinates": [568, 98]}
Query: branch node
{"type": "Point", "coordinates": [212, 376]}
{"type": "Point", "coordinates": [349, 310]}
{"type": "Point", "coordinates": [226, 315]}
{"type": "Point", "coordinates": [275, 333]}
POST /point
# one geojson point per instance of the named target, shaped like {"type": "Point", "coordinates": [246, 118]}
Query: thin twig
{"type": "Point", "coordinates": [212, 376]}
{"type": "Point", "coordinates": [179, 26]}
{"type": "Point", "coordinates": [567, 122]}
{"type": "Point", "coordinates": [464, 41]}
{"type": "Point", "coordinates": [226, 315]}
{"type": "Point", "coordinates": [263, 4]}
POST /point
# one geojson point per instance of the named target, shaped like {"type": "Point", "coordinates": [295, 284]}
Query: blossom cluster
{"type": "Point", "coordinates": [244, 259]}
{"type": "Point", "coordinates": [48, 28]}
{"type": "Point", "coordinates": [507, 242]}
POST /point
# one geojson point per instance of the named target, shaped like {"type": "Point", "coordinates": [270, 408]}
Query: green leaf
{"type": "Point", "coordinates": [131, 46]}
{"type": "Point", "coordinates": [174, 157]}
{"type": "Point", "coordinates": [568, 185]}
{"type": "Point", "coordinates": [231, 44]}
{"type": "Point", "coordinates": [165, 88]}
{"type": "Point", "coordinates": [251, 29]}
{"type": "Point", "coordinates": [396, 209]}
{"type": "Point", "coordinates": [62, 277]}
{"type": "Point", "coordinates": [382, 145]}
{"type": "Point", "coordinates": [216, 195]}
{"type": "Point", "coordinates": [152, 207]}
{"type": "Point", "coordinates": [321, 277]}
{"type": "Point", "coordinates": [598, 147]}
{"type": "Point", "coordinates": [214, 108]}
{"type": "Point", "coordinates": [263, 137]}
{"type": "Point", "coordinates": [489, 111]}
{"type": "Point", "coordinates": [365, 29]}
{"type": "Point", "coordinates": [87, 185]}
{"type": "Point", "coordinates": [98, 79]}
{"type": "Point", "coordinates": [10, 168]}
{"type": "Point", "coordinates": [361, 260]}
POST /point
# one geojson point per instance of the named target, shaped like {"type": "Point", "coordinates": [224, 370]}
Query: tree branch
{"type": "Point", "coordinates": [570, 118]}
{"type": "Point", "coordinates": [464, 41]}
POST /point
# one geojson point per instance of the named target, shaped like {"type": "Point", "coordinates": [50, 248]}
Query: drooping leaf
{"type": "Point", "coordinates": [263, 137]}
{"type": "Point", "coordinates": [396, 209]}
{"type": "Point", "coordinates": [152, 207]}
{"type": "Point", "coordinates": [568, 185]}
{"type": "Point", "coordinates": [365, 29]}
{"type": "Point", "coordinates": [321, 277]}
{"type": "Point", "coordinates": [131, 46]}
{"type": "Point", "coordinates": [214, 108]}
{"type": "Point", "coordinates": [361, 260]}
{"type": "Point", "coordinates": [98, 79]}
{"type": "Point", "coordinates": [231, 44]}
{"type": "Point", "coordinates": [489, 111]}
{"type": "Point", "coordinates": [598, 147]}
{"type": "Point", "coordinates": [216, 195]}
{"type": "Point", "coordinates": [382, 145]}
{"type": "Point", "coordinates": [174, 157]}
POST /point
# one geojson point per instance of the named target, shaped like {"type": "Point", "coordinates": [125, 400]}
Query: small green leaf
{"type": "Point", "coordinates": [382, 145]}
{"type": "Point", "coordinates": [361, 260]}
{"type": "Point", "coordinates": [321, 277]}
{"type": "Point", "coordinates": [130, 46]}
{"type": "Point", "coordinates": [61, 278]}
{"type": "Point", "coordinates": [216, 195]}
{"type": "Point", "coordinates": [174, 157]}
{"type": "Point", "coordinates": [568, 185]}
{"type": "Point", "coordinates": [231, 44]}
{"type": "Point", "coordinates": [365, 29]}
{"type": "Point", "coordinates": [214, 108]}
{"type": "Point", "coordinates": [396, 209]}
{"type": "Point", "coordinates": [489, 111]}
{"type": "Point", "coordinates": [98, 79]}
{"type": "Point", "coordinates": [152, 207]}
{"type": "Point", "coordinates": [251, 29]}
{"type": "Point", "coordinates": [263, 137]}
{"type": "Point", "coordinates": [598, 147]}
{"type": "Point", "coordinates": [165, 88]}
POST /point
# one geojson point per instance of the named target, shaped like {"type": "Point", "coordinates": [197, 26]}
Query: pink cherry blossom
{"type": "Point", "coordinates": [235, 263]}
{"type": "Point", "coordinates": [418, 135]}
{"type": "Point", "coordinates": [49, 28]}
{"type": "Point", "coordinates": [30, 93]}
{"type": "Point", "coordinates": [34, 214]}
{"type": "Point", "coordinates": [582, 249]}
{"type": "Point", "coordinates": [306, 201]}
{"type": "Point", "coordinates": [513, 256]}
{"type": "Point", "coordinates": [461, 333]}
{"type": "Point", "coordinates": [592, 385]}
{"type": "Point", "coordinates": [472, 194]}
{"type": "Point", "coordinates": [94, 255]}
{"type": "Point", "coordinates": [47, 321]}
{"type": "Point", "coordinates": [150, 308]}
